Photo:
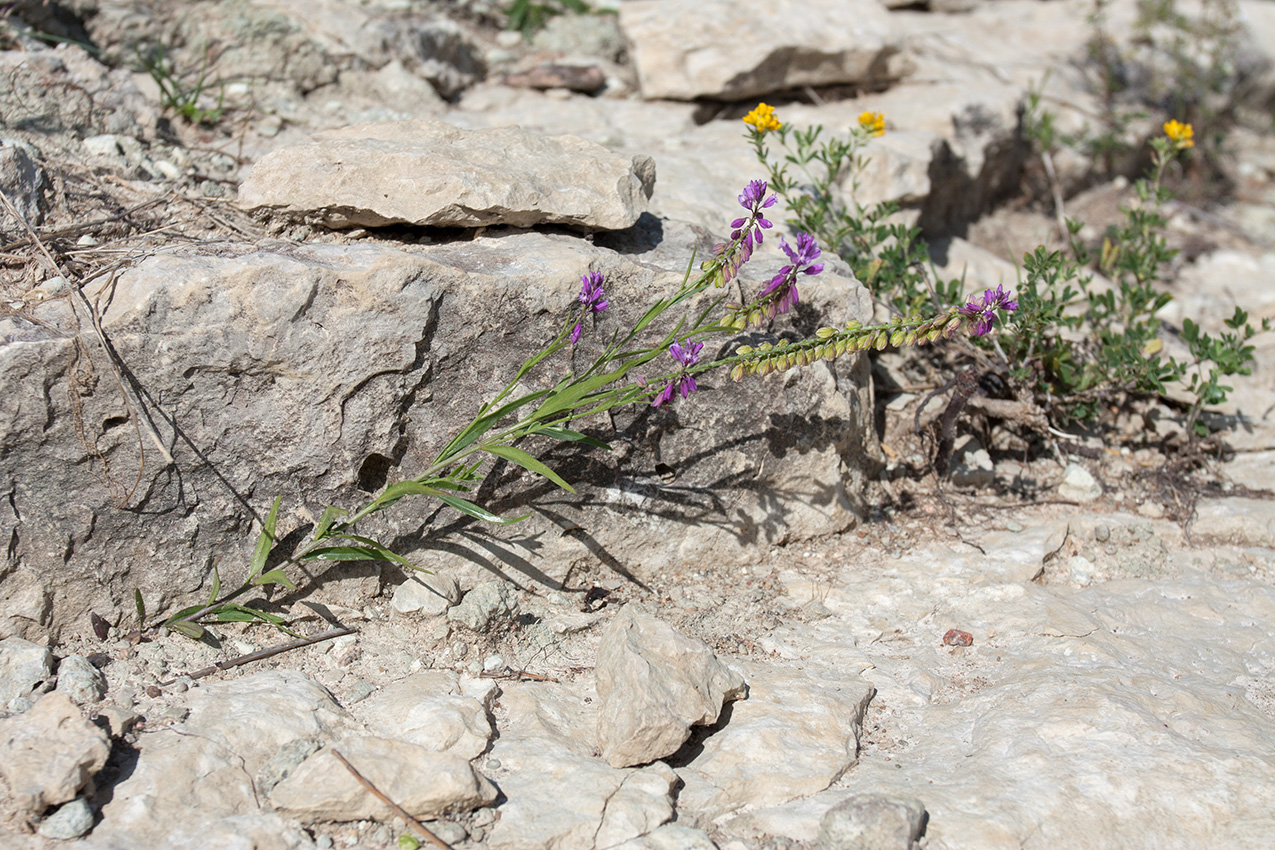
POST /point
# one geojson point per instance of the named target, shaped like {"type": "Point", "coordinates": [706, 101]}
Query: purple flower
{"type": "Point", "coordinates": [986, 307]}
{"type": "Point", "coordinates": [782, 289]}
{"type": "Point", "coordinates": [747, 232]}
{"type": "Point", "coordinates": [684, 383]}
{"type": "Point", "coordinates": [593, 299]}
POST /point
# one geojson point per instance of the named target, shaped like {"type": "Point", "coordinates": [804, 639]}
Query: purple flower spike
{"type": "Point", "coordinates": [593, 299]}
{"type": "Point", "coordinates": [747, 231]}
{"type": "Point", "coordinates": [782, 289]}
{"type": "Point", "coordinates": [986, 307]}
{"type": "Point", "coordinates": [684, 383]}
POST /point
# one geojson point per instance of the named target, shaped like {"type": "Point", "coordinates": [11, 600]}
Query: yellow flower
{"type": "Point", "coordinates": [1182, 135]}
{"type": "Point", "coordinates": [763, 118]}
{"type": "Point", "coordinates": [873, 123]}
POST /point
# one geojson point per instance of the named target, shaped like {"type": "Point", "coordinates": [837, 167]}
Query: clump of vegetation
{"type": "Point", "coordinates": [186, 95]}
{"type": "Point", "coordinates": [528, 16]}
{"type": "Point", "coordinates": [1077, 345]}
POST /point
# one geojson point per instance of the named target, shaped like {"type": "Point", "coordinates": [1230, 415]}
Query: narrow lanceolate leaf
{"type": "Point", "coordinates": [275, 577]}
{"type": "Point", "coordinates": [530, 464]}
{"type": "Point", "coordinates": [190, 630]}
{"type": "Point", "coordinates": [355, 553]}
{"type": "Point", "coordinates": [330, 515]}
{"type": "Point", "coordinates": [469, 508]}
{"type": "Point", "coordinates": [266, 541]}
{"type": "Point", "coordinates": [567, 435]}
{"type": "Point", "coordinates": [141, 608]}
{"type": "Point", "coordinates": [216, 586]}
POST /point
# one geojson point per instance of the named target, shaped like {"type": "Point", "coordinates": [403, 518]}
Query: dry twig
{"type": "Point", "coordinates": [398, 810]}
{"type": "Point", "coordinates": [266, 653]}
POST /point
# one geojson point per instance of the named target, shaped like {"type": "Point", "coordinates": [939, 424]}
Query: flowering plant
{"type": "Point", "coordinates": [611, 380]}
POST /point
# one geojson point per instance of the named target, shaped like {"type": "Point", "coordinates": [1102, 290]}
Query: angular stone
{"type": "Point", "coordinates": [80, 680]}
{"type": "Point", "coordinates": [489, 605]}
{"type": "Point", "coordinates": [1078, 485]}
{"type": "Point", "coordinates": [654, 684]}
{"type": "Point", "coordinates": [23, 182]}
{"type": "Point", "coordinates": [429, 710]}
{"type": "Point", "coordinates": [428, 594]}
{"type": "Point", "coordinates": [198, 776]}
{"type": "Point", "coordinates": [794, 736]}
{"type": "Point", "coordinates": [427, 173]}
{"type": "Point", "coordinates": [71, 820]}
{"type": "Point", "coordinates": [546, 746]}
{"type": "Point", "coordinates": [670, 836]}
{"type": "Point", "coordinates": [50, 752]}
{"type": "Point", "coordinates": [872, 822]}
{"type": "Point", "coordinates": [23, 666]}
{"type": "Point", "coordinates": [686, 49]}
{"type": "Point", "coordinates": [425, 783]}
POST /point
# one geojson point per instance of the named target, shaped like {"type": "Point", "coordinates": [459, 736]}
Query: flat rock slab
{"type": "Point", "coordinates": [427, 784]}
{"type": "Point", "coordinates": [50, 752]}
{"type": "Point", "coordinates": [794, 736]}
{"type": "Point", "coordinates": [685, 49]}
{"type": "Point", "coordinates": [559, 792]}
{"type": "Point", "coordinates": [654, 684]}
{"type": "Point", "coordinates": [432, 174]}
{"type": "Point", "coordinates": [429, 710]}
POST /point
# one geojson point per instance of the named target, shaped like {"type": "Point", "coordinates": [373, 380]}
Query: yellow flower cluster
{"type": "Point", "coordinates": [763, 118]}
{"type": "Point", "coordinates": [1182, 135]}
{"type": "Point", "coordinates": [873, 123]}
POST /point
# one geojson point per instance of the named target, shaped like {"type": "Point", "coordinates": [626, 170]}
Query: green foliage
{"type": "Point", "coordinates": [528, 16]}
{"type": "Point", "coordinates": [818, 179]}
{"type": "Point", "coordinates": [183, 98]}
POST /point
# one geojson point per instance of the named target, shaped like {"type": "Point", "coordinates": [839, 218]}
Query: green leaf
{"type": "Point", "coordinates": [567, 435]}
{"type": "Point", "coordinates": [330, 516]}
{"type": "Point", "coordinates": [529, 463]}
{"type": "Point", "coordinates": [354, 553]}
{"type": "Point", "coordinates": [190, 630]}
{"type": "Point", "coordinates": [467, 507]}
{"type": "Point", "coordinates": [216, 586]}
{"type": "Point", "coordinates": [141, 607]}
{"type": "Point", "coordinates": [243, 614]}
{"type": "Point", "coordinates": [266, 541]}
{"type": "Point", "coordinates": [275, 577]}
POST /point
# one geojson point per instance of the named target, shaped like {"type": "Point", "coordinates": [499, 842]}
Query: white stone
{"type": "Point", "coordinates": [425, 783]}
{"type": "Point", "coordinates": [686, 49]}
{"type": "Point", "coordinates": [1078, 485]}
{"type": "Point", "coordinates": [428, 594]}
{"type": "Point", "coordinates": [50, 752]}
{"type": "Point", "coordinates": [654, 684]}
{"type": "Point", "coordinates": [427, 173]}
{"type": "Point", "coordinates": [23, 666]}
{"type": "Point", "coordinates": [430, 710]}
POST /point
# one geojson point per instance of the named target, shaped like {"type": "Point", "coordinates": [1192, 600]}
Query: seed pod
{"type": "Point", "coordinates": [737, 372]}
{"type": "Point", "coordinates": [830, 353]}
{"type": "Point", "coordinates": [952, 325]}
{"type": "Point", "coordinates": [896, 338]}
{"type": "Point", "coordinates": [909, 338]}
{"type": "Point", "coordinates": [881, 341]}
{"type": "Point", "coordinates": [934, 334]}
{"type": "Point", "coordinates": [740, 323]}
{"type": "Point", "coordinates": [765, 346]}
{"type": "Point", "coordinates": [841, 347]}
{"type": "Point", "coordinates": [853, 325]}
{"type": "Point", "coordinates": [825, 333]}
{"type": "Point", "coordinates": [744, 350]}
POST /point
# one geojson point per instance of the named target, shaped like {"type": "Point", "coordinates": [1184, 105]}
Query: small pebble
{"type": "Point", "coordinates": [323, 842]}
{"type": "Point", "coordinates": [1102, 534]}
{"type": "Point", "coordinates": [70, 821]}
{"type": "Point", "coordinates": [461, 649]}
{"type": "Point", "coordinates": [956, 637]}
{"type": "Point", "coordinates": [493, 764]}
{"type": "Point", "coordinates": [1013, 526]}
{"type": "Point", "coordinates": [1110, 549]}
{"type": "Point", "coordinates": [448, 832]}
{"type": "Point", "coordinates": [493, 664]}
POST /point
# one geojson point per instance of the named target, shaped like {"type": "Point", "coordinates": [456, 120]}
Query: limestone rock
{"type": "Point", "coordinates": [428, 173]}
{"type": "Point", "coordinates": [872, 822]}
{"type": "Point", "coordinates": [1078, 484]}
{"type": "Point", "coordinates": [80, 680]}
{"type": "Point", "coordinates": [548, 746]}
{"type": "Point", "coordinates": [428, 594]}
{"type": "Point", "coordinates": [23, 666]}
{"type": "Point", "coordinates": [654, 684]}
{"type": "Point", "coordinates": [794, 736]}
{"type": "Point", "coordinates": [23, 182]}
{"type": "Point", "coordinates": [71, 820]}
{"type": "Point", "coordinates": [194, 782]}
{"type": "Point", "coordinates": [49, 753]}
{"type": "Point", "coordinates": [427, 784]}
{"type": "Point", "coordinates": [686, 49]}
{"type": "Point", "coordinates": [671, 836]}
{"type": "Point", "coordinates": [488, 606]}
{"type": "Point", "coordinates": [354, 363]}
{"type": "Point", "coordinates": [428, 709]}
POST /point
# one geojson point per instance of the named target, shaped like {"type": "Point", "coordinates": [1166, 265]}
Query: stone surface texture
{"type": "Point", "coordinates": [23, 667]}
{"type": "Point", "coordinates": [432, 174]}
{"type": "Point", "coordinates": [871, 822]}
{"type": "Point", "coordinates": [654, 684]}
{"type": "Point", "coordinates": [683, 50]}
{"type": "Point", "coordinates": [50, 753]}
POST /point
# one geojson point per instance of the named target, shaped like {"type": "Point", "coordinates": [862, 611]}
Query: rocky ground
{"type": "Point", "coordinates": [802, 640]}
